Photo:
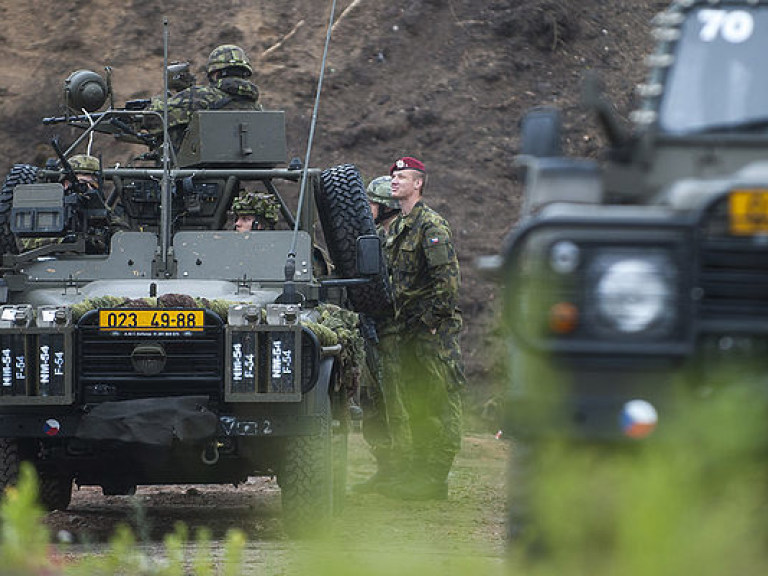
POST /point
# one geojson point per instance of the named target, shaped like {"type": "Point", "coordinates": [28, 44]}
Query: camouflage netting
{"type": "Point", "coordinates": [334, 325]}
{"type": "Point", "coordinates": [220, 307]}
{"type": "Point", "coordinates": [339, 326]}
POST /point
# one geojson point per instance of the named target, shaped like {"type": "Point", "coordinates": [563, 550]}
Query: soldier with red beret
{"type": "Point", "coordinates": [425, 278]}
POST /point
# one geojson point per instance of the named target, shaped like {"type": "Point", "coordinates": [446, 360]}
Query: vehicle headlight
{"type": "Point", "coordinates": [634, 294]}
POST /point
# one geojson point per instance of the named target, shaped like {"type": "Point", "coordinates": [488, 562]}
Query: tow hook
{"type": "Point", "coordinates": [210, 454]}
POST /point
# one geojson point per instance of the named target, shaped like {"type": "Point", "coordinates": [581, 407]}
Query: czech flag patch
{"type": "Point", "coordinates": [638, 419]}
{"type": "Point", "coordinates": [51, 427]}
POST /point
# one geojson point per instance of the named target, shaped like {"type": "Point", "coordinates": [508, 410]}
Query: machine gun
{"type": "Point", "coordinates": [85, 91]}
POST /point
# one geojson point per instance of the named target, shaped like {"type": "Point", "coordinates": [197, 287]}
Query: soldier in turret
{"type": "Point", "coordinates": [229, 88]}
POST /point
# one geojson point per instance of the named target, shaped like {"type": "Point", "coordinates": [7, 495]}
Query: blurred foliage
{"type": "Point", "coordinates": [26, 549]}
{"type": "Point", "coordinates": [690, 500]}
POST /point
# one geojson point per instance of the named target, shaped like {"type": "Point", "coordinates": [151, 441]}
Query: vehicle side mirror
{"type": "Point", "coordinates": [368, 255]}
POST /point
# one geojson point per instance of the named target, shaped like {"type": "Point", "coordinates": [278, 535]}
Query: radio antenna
{"type": "Point", "coordinates": [289, 294]}
{"type": "Point", "coordinates": [165, 188]}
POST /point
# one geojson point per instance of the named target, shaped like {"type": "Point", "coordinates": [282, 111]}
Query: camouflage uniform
{"type": "Point", "coordinates": [228, 67]}
{"type": "Point", "coordinates": [227, 93]}
{"type": "Point", "coordinates": [394, 449]}
{"type": "Point", "coordinates": [385, 422]}
{"type": "Point", "coordinates": [385, 419]}
{"type": "Point", "coordinates": [425, 278]}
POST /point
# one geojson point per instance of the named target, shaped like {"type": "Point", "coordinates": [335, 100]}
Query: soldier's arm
{"type": "Point", "coordinates": [443, 271]}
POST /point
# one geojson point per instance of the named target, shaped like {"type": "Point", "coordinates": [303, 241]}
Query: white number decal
{"type": "Point", "coordinates": [735, 26]}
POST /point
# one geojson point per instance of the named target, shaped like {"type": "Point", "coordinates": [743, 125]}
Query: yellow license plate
{"type": "Point", "coordinates": [155, 320]}
{"type": "Point", "coordinates": [748, 212]}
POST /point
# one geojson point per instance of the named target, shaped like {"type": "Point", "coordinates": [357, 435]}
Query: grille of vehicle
{"type": "Point", "coordinates": [193, 363]}
{"type": "Point", "coordinates": [733, 272]}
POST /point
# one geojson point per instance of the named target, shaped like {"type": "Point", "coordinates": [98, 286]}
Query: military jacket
{"type": "Point", "coordinates": [424, 271]}
{"type": "Point", "coordinates": [226, 93]}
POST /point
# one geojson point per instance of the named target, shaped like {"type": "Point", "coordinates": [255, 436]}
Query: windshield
{"type": "Point", "coordinates": [720, 75]}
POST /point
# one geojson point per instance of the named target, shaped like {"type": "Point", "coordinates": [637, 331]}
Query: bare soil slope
{"type": "Point", "coordinates": [444, 80]}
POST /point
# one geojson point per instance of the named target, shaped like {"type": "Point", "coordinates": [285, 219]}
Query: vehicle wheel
{"type": "Point", "coordinates": [55, 492]}
{"type": "Point", "coordinates": [306, 482]}
{"type": "Point", "coordinates": [342, 206]}
{"type": "Point", "coordinates": [9, 462]}
{"type": "Point", "coordinates": [541, 132]}
{"type": "Point", "coordinates": [307, 473]}
{"type": "Point", "coordinates": [19, 174]}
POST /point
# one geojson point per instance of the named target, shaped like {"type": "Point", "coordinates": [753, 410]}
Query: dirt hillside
{"type": "Point", "coordinates": [444, 80]}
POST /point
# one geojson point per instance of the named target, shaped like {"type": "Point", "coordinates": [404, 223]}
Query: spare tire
{"type": "Point", "coordinates": [19, 174]}
{"type": "Point", "coordinates": [342, 206]}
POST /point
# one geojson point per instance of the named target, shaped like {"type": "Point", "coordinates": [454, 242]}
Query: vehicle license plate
{"type": "Point", "coordinates": [748, 211]}
{"type": "Point", "coordinates": [156, 320]}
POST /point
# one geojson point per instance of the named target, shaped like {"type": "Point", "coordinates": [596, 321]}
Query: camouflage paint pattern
{"type": "Point", "coordinates": [258, 204]}
{"type": "Point", "coordinates": [228, 56]}
{"type": "Point", "coordinates": [379, 191]}
{"type": "Point", "coordinates": [84, 164]}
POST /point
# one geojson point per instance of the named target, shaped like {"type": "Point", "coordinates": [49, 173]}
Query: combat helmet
{"type": "Point", "coordinates": [380, 192]}
{"type": "Point", "coordinates": [229, 56]}
{"type": "Point", "coordinates": [84, 164]}
{"type": "Point", "coordinates": [259, 204]}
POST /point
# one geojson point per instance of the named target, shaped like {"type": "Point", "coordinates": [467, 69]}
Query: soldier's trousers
{"type": "Point", "coordinates": [432, 396]}
{"type": "Point", "coordinates": [385, 425]}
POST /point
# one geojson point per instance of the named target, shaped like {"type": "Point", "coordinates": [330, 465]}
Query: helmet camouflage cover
{"type": "Point", "coordinates": [380, 192]}
{"type": "Point", "coordinates": [257, 204]}
{"type": "Point", "coordinates": [83, 163]}
{"type": "Point", "coordinates": [229, 56]}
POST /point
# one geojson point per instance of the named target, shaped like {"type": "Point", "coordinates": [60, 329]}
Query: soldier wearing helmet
{"type": "Point", "coordinates": [383, 206]}
{"type": "Point", "coordinates": [255, 211]}
{"type": "Point", "coordinates": [86, 168]}
{"type": "Point", "coordinates": [228, 88]}
{"type": "Point", "coordinates": [385, 420]}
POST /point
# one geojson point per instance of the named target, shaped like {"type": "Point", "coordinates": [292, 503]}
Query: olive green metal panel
{"type": "Point", "coordinates": [234, 138]}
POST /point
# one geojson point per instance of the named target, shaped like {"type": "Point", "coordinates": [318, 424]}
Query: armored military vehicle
{"type": "Point", "coordinates": [142, 342]}
{"type": "Point", "coordinates": [646, 269]}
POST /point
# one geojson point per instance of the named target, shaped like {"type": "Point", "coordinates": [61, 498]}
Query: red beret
{"type": "Point", "coordinates": [407, 163]}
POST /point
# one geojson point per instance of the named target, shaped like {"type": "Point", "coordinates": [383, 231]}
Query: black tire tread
{"type": "Point", "coordinates": [55, 492]}
{"type": "Point", "coordinates": [344, 213]}
{"type": "Point", "coordinates": [306, 481]}
{"type": "Point", "coordinates": [19, 174]}
{"type": "Point", "coordinates": [9, 462]}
